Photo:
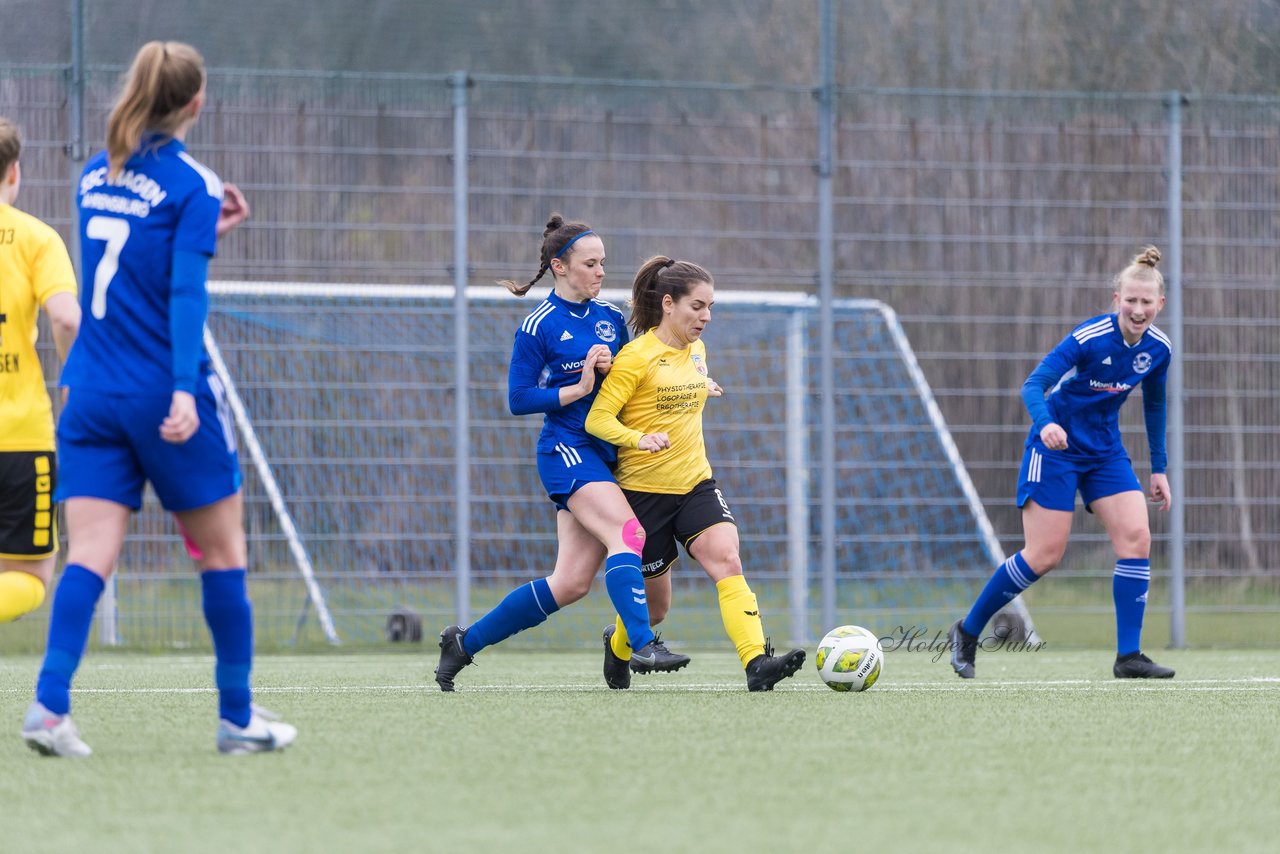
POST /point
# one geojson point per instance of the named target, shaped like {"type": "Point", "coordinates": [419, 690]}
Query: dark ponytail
{"type": "Point", "coordinates": [658, 277]}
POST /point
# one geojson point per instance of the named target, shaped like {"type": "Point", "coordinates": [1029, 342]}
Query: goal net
{"type": "Point", "coordinates": [348, 407]}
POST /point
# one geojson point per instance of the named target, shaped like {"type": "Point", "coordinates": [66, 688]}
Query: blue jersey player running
{"type": "Point", "coordinates": [1074, 445]}
{"type": "Point", "coordinates": [142, 404]}
{"type": "Point", "coordinates": [561, 350]}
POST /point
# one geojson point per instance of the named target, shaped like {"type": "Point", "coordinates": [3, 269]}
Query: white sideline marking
{"type": "Point", "coordinates": [1252, 683]}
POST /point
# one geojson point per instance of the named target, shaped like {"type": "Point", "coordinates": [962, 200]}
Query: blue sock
{"type": "Point", "coordinates": [69, 622]}
{"type": "Point", "coordinates": [229, 614]}
{"type": "Point", "coordinates": [625, 583]}
{"type": "Point", "coordinates": [1129, 590]}
{"type": "Point", "coordinates": [1010, 578]}
{"type": "Point", "coordinates": [523, 608]}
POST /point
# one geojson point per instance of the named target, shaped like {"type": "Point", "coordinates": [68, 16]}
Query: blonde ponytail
{"type": "Point", "coordinates": [161, 82]}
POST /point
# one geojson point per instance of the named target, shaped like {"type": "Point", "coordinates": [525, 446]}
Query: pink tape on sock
{"type": "Point", "coordinates": [633, 535]}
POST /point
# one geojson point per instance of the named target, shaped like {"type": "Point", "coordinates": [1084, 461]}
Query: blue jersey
{"type": "Point", "coordinates": [130, 227]}
{"type": "Point", "coordinates": [1092, 373]}
{"type": "Point", "coordinates": [550, 347]}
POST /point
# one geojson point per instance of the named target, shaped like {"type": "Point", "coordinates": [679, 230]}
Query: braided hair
{"type": "Point", "coordinates": [556, 239]}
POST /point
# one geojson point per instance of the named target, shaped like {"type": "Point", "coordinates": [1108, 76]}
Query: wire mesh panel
{"type": "Point", "coordinates": [35, 99]}
{"type": "Point", "coordinates": [721, 174]}
{"type": "Point", "coordinates": [351, 399]}
{"type": "Point", "coordinates": [909, 541]}
{"type": "Point", "coordinates": [992, 223]}
{"type": "Point", "coordinates": [1231, 157]}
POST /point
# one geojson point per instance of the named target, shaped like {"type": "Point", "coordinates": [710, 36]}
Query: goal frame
{"type": "Point", "coordinates": [800, 307]}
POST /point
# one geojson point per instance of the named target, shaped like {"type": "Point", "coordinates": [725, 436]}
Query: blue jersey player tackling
{"type": "Point", "coordinates": [1074, 446]}
{"type": "Point", "coordinates": [142, 404]}
{"type": "Point", "coordinates": [561, 350]}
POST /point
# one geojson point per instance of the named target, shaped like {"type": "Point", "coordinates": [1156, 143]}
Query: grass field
{"type": "Point", "coordinates": [1043, 752]}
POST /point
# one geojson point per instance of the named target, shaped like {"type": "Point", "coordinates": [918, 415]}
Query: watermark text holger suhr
{"type": "Point", "coordinates": [919, 639]}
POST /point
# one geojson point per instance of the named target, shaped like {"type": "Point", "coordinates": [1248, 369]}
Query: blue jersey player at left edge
{"type": "Point", "coordinates": [142, 404]}
{"type": "Point", "coordinates": [1074, 446]}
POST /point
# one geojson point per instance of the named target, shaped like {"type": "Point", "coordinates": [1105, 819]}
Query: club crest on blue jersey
{"type": "Point", "coordinates": [1142, 362]}
{"type": "Point", "coordinates": [606, 331]}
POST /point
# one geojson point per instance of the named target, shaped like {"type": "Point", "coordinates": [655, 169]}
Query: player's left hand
{"type": "Point", "coordinates": [1160, 494]}
{"type": "Point", "coordinates": [183, 422]}
{"type": "Point", "coordinates": [713, 388]}
{"type": "Point", "coordinates": [235, 209]}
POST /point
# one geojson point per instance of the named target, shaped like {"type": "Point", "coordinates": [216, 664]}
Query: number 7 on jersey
{"type": "Point", "coordinates": [115, 232]}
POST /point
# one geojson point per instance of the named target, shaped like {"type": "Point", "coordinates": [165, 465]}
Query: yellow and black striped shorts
{"type": "Point", "coordinates": [28, 525]}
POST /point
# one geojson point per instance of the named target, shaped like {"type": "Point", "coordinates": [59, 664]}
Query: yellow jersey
{"type": "Point", "coordinates": [653, 388]}
{"type": "Point", "coordinates": [34, 266]}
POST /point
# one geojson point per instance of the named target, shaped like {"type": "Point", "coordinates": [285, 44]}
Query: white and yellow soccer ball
{"type": "Point", "coordinates": [849, 659]}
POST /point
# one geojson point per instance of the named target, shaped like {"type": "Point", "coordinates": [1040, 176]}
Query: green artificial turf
{"type": "Point", "coordinates": [1044, 751]}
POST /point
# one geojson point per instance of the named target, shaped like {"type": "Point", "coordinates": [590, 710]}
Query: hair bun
{"type": "Point", "coordinates": [1149, 258]}
{"type": "Point", "coordinates": [553, 224]}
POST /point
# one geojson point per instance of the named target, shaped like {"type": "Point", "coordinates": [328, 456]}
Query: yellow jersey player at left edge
{"type": "Point", "coordinates": [35, 272]}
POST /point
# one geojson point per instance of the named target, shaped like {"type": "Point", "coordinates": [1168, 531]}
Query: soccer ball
{"type": "Point", "coordinates": [849, 659]}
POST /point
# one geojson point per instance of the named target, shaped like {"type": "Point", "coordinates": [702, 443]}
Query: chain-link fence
{"type": "Point", "coordinates": [991, 222]}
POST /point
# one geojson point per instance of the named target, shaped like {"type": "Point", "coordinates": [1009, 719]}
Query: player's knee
{"type": "Point", "coordinates": [633, 535]}
{"type": "Point", "coordinates": [1136, 543]}
{"type": "Point", "coordinates": [41, 569]}
{"type": "Point", "coordinates": [733, 563]}
{"type": "Point", "coordinates": [20, 593]}
{"type": "Point", "coordinates": [223, 556]}
{"type": "Point", "coordinates": [1043, 559]}
{"type": "Point", "coordinates": [657, 612]}
{"type": "Point", "coordinates": [571, 579]}
{"type": "Point", "coordinates": [724, 564]}
{"type": "Point", "coordinates": [571, 590]}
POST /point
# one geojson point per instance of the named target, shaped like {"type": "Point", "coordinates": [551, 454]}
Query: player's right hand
{"type": "Point", "coordinates": [654, 442]}
{"type": "Point", "coordinates": [1054, 437]}
{"type": "Point", "coordinates": [183, 421]}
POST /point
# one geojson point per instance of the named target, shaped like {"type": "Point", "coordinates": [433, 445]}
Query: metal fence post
{"type": "Point", "coordinates": [797, 474]}
{"type": "Point", "coordinates": [75, 105]}
{"type": "Point", "coordinates": [826, 323]}
{"type": "Point", "coordinates": [108, 631]}
{"type": "Point", "coordinates": [1177, 446]}
{"type": "Point", "coordinates": [459, 82]}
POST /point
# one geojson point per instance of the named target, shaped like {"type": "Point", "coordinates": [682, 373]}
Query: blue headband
{"type": "Point", "coordinates": [570, 243]}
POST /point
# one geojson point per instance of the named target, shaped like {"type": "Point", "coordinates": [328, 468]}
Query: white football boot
{"type": "Point", "coordinates": [265, 731]}
{"type": "Point", "coordinates": [52, 735]}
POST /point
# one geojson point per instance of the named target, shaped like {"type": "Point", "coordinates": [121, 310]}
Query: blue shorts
{"type": "Point", "coordinates": [569, 468]}
{"type": "Point", "coordinates": [1052, 478]}
{"type": "Point", "coordinates": [110, 446]}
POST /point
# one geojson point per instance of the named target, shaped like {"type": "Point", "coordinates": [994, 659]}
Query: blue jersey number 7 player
{"type": "Point", "coordinates": [142, 404]}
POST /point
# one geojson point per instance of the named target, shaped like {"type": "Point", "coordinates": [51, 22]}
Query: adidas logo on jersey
{"type": "Point", "coordinates": [1106, 361]}
{"type": "Point", "coordinates": [565, 336]}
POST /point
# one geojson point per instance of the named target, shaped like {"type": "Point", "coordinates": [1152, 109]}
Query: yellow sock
{"type": "Point", "coordinates": [621, 643]}
{"type": "Point", "coordinates": [741, 615]}
{"type": "Point", "coordinates": [20, 594]}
